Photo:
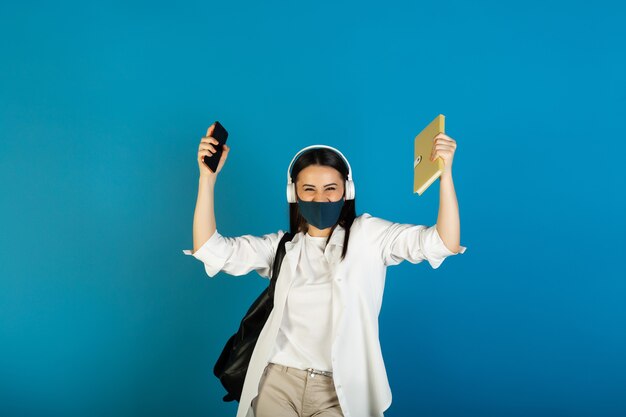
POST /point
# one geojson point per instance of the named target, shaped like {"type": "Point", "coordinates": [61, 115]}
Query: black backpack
{"type": "Point", "coordinates": [232, 365]}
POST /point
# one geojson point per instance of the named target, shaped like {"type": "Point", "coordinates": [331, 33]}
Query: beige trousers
{"type": "Point", "coordinates": [291, 392]}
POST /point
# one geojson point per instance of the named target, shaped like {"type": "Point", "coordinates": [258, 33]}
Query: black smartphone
{"type": "Point", "coordinates": [221, 135]}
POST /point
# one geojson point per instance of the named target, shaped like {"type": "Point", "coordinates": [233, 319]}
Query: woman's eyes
{"type": "Point", "coordinates": [310, 189]}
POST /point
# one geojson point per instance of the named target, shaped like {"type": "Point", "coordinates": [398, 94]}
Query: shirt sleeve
{"type": "Point", "coordinates": [411, 242]}
{"type": "Point", "coordinates": [238, 255]}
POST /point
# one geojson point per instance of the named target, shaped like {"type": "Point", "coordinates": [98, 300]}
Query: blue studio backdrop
{"type": "Point", "coordinates": [102, 107]}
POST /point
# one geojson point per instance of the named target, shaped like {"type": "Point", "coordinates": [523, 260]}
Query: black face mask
{"type": "Point", "coordinates": [321, 214]}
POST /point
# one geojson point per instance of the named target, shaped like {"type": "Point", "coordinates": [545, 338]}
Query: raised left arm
{"type": "Point", "coordinates": [448, 221]}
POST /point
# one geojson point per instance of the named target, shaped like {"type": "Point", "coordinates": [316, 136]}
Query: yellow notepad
{"type": "Point", "coordinates": [425, 171]}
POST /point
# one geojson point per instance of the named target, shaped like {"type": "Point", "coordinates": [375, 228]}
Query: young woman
{"type": "Point", "coordinates": [319, 353]}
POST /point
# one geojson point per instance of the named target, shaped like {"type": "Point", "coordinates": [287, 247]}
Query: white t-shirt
{"type": "Point", "coordinates": [304, 338]}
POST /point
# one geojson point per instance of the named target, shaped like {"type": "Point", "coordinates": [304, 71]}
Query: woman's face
{"type": "Point", "coordinates": [319, 183]}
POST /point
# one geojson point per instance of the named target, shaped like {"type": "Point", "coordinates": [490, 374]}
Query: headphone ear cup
{"type": "Point", "coordinates": [291, 193]}
{"type": "Point", "coordinates": [349, 190]}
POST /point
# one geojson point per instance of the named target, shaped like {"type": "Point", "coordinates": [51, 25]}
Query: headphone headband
{"type": "Point", "coordinates": [301, 151]}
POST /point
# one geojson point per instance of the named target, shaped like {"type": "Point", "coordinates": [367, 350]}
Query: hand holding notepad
{"type": "Point", "coordinates": [425, 171]}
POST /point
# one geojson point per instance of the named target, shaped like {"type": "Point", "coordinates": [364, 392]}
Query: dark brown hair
{"type": "Point", "coordinates": [324, 157]}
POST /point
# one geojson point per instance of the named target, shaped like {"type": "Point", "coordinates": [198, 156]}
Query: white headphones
{"type": "Point", "coordinates": [291, 187]}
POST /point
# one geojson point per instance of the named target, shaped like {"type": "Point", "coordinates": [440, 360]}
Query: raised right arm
{"type": "Point", "coordinates": [204, 215]}
{"type": "Point", "coordinates": [233, 255]}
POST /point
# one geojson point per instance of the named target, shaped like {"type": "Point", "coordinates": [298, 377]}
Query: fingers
{"type": "Point", "coordinates": [209, 140]}
{"type": "Point", "coordinates": [208, 143]}
{"type": "Point", "coordinates": [210, 149]}
{"type": "Point", "coordinates": [443, 138]}
{"type": "Point", "coordinates": [205, 147]}
{"type": "Point", "coordinates": [443, 145]}
{"type": "Point", "coordinates": [440, 154]}
{"type": "Point", "coordinates": [202, 154]}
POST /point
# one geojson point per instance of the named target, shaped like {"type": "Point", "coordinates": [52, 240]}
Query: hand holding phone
{"type": "Point", "coordinates": [211, 149]}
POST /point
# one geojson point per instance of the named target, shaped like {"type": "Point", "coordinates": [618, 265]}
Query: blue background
{"type": "Point", "coordinates": [102, 107]}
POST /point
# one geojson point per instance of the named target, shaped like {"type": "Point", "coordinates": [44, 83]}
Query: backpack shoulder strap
{"type": "Point", "coordinates": [278, 259]}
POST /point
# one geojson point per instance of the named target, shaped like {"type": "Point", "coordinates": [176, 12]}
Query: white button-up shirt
{"type": "Point", "coordinates": [358, 282]}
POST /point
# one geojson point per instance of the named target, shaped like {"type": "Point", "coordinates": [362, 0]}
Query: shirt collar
{"type": "Point", "coordinates": [332, 252]}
